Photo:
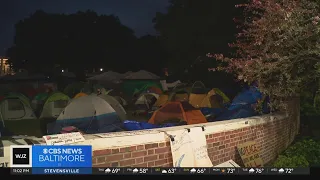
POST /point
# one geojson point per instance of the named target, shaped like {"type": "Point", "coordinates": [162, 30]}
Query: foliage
{"type": "Point", "coordinates": [189, 29]}
{"type": "Point", "coordinates": [278, 47]}
{"type": "Point", "coordinates": [83, 40]}
{"type": "Point", "coordinates": [303, 153]}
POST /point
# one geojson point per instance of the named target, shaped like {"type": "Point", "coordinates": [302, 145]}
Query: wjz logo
{"type": "Point", "coordinates": [21, 156]}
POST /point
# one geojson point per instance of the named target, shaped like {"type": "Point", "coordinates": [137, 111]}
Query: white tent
{"type": "Point", "coordinates": [86, 107]}
{"type": "Point", "coordinates": [146, 99]}
{"type": "Point", "coordinates": [107, 76]}
{"type": "Point", "coordinates": [115, 105]}
{"type": "Point", "coordinates": [142, 74]}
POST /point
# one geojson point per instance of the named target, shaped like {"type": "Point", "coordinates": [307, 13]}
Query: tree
{"type": "Point", "coordinates": [151, 54]}
{"type": "Point", "coordinates": [278, 47]}
{"type": "Point", "coordinates": [79, 41]}
{"type": "Point", "coordinates": [192, 28]}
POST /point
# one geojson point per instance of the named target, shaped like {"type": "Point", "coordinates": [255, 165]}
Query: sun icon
{"type": "Point", "coordinates": [223, 170]}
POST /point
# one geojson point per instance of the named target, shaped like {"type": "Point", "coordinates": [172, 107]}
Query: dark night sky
{"type": "Point", "coordinates": [136, 14]}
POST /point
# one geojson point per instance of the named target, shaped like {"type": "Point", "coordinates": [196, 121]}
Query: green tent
{"type": "Point", "coordinates": [41, 96]}
{"type": "Point", "coordinates": [22, 97]}
{"type": "Point", "coordinates": [54, 105]}
{"type": "Point", "coordinates": [131, 87]}
{"type": "Point", "coordinates": [224, 97]}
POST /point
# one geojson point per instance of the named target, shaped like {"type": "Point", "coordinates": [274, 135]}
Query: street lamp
{"type": "Point", "coordinates": [62, 70]}
{"type": "Point", "coordinates": [101, 69]}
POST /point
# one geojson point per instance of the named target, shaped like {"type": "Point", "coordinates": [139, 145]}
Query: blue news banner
{"type": "Point", "coordinates": [62, 159]}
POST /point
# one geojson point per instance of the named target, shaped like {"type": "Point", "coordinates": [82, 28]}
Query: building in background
{"type": "Point", "coordinates": [5, 67]}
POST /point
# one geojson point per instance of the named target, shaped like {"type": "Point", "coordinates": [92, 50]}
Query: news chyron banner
{"type": "Point", "coordinates": [45, 159]}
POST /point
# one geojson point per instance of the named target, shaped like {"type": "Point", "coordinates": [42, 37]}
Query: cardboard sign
{"type": "Point", "coordinates": [250, 154]}
{"type": "Point", "coordinates": [189, 149]}
{"type": "Point", "coordinates": [61, 139]}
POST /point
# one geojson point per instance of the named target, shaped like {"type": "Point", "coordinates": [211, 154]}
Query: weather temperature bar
{"type": "Point", "coordinates": [201, 171]}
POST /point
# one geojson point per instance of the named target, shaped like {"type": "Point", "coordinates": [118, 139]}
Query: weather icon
{"type": "Point", "coordinates": [164, 171]}
{"type": "Point", "coordinates": [281, 170]}
{"type": "Point", "coordinates": [135, 170]}
{"type": "Point", "coordinates": [251, 170]}
{"type": "Point", "coordinates": [193, 170]}
{"type": "Point", "coordinates": [107, 170]}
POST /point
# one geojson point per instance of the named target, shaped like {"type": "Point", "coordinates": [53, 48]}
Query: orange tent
{"type": "Point", "coordinates": [178, 110]}
{"type": "Point", "coordinates": [155, 90]}
{"type": "Point", "coordinates": [162, 100]}
{"type": "Point", "coordinates": [80, 95]}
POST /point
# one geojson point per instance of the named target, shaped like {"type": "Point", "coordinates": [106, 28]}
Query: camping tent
{"type": "Point", "coordinates": [147, 99]}
{"type": "Point", "coordinates": [177, 110]}
{"type": "Point", "coordinates": [90, 114]}
{"type": "Point", "coordinates": [197, 94]}
{"type": "Point", "coordinates": [208, 99]}
{"type": "Point", "coordinates": [80, 94]}
{"type": "Point", "coordinates": [142, 74]}
{"type": "Point", "coordinates": [115, 105]}
{"type": "Point", "coordinates": [72, 89]}
{"type": "Point", "coordinates": [107, 76]}
{"type": "Point", "coordinates": [54, 105]}
{"type": "Point", "coordinates": [17, 114]}
{"type": "Point", "coordinates": [121, 100]}
{"type": "Point", "coordinates": [180, 94]}
{"type": "Point", "coordinates": [162, 100]}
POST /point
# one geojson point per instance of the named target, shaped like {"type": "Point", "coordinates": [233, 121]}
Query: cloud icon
{"type": "Point", "coordinates": [193, 170]}
{"type": "Point", "coordinates": [135, 170]}
{"type": "Point", "coordinates": [164, 171]}
{"type": "Point", "coordinates": [107, 170]}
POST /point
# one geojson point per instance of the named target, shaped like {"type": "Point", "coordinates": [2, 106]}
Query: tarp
{"type": "Point", "coordinates": [246, 97]}
{"type": "Point", "coordinates": [142, 74]}
{"type": "Point", "coordinates": [90, 114]}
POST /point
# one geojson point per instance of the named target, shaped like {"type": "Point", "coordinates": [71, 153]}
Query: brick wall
{"type": "Point", "coordinates": [271, 138]}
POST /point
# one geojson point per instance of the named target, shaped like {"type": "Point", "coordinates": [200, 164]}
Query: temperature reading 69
{"type": "Point", "coordinates": [200, 171]}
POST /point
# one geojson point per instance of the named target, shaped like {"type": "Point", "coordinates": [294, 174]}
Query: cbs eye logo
{"type": "Point", "coordinates": [21, 156]}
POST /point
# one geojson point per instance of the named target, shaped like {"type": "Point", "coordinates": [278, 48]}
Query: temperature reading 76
{"type": "Point", "coordinates": [230, 170]}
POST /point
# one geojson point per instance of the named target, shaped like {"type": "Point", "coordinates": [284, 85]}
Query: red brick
{"type": "Point", "coordinates": [139, 160]}
{"type": "Point", "coordinates": [150, 158]}
{"type": "Point", "coordinates": [161, 156]}
{"type": "Point", "coordinates": [128, 162]}
{"type": "Point", "coordinates": [102, 152]}
{"type": "Point", "coordinates": [140, 147]}
{"type": "Point", "coordinates": [139, 153]}
{"type": "Point", "coordinates": [150, 151]}
{"type": "Point", "coordinates": [115, 151]}
{"type": "Point", "coordinates": [149, 146]}
{"type": "Point", "coordinates": [101, 159]}
{"type": "Point", "coordinates": [94, 160]}
{"type": "Point", "coordinates": [168, 144]}
{"type": "Point", "coordinates": [104, 165]}
{"type": "Point", "coordinates": [162, 144]}
{"type": "Point", "coordinates": [150, 164]}
{"type": "Point", "coordinates": [141, 165]}
{"type": "Point", "coordinates": [127, 155]}
{"type": "Point", "coordinates": [115, 157]}
{"type": "Point", "coordinates": [162, 150]}
{"type": "Point", "coordinates": [160, 162]}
